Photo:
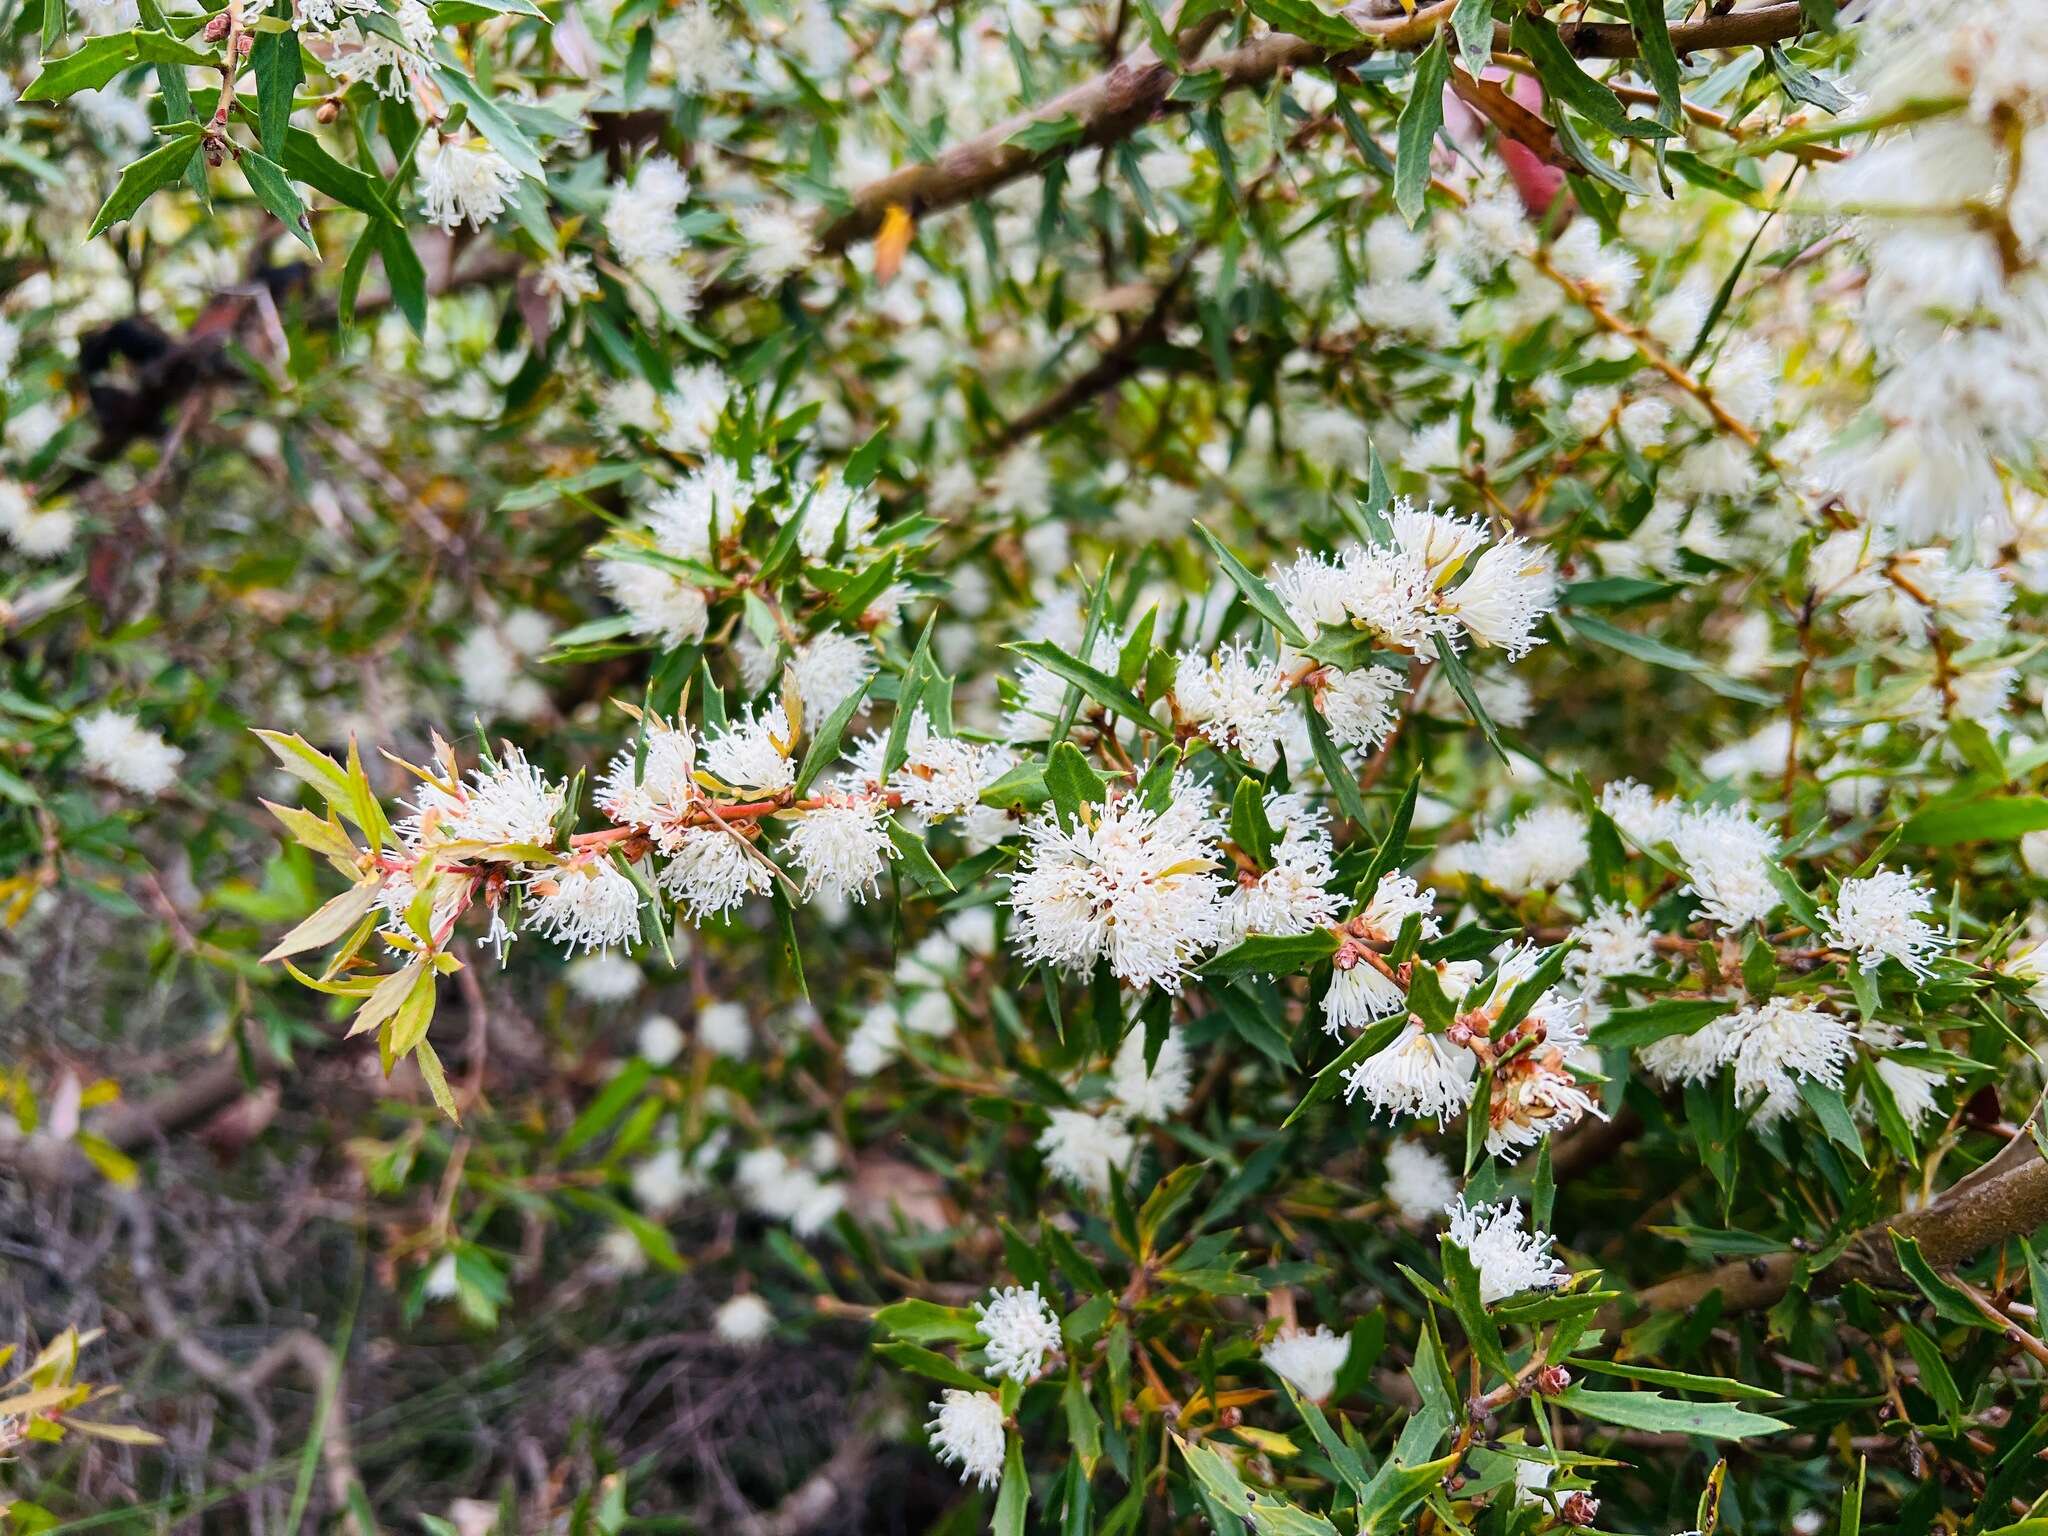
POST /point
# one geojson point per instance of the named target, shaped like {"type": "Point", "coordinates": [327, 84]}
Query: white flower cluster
{"type": "Point", "coordinates": [1773, 1047]}
{"type": "Point", "coordinates": [1727, 854]}
{"type": "Point", "coordinates": [1308, 1361]}
{"type": "Point", "coordinates": [1407, 594]}
{"type": "Point", "coordinates": [39, 533]}
{"type": "Point", "coordinates": [1020, 1330]}
{"type": "Point", "coordinates": [1129, 880]}
{"type": "Point", "coordinates": [967, 1432]}
{"type": "Point", "coordinates": [464, 181]}
{"type": "Point", "coordinates": [1956, 302]}
{"type": "Point", "coordinates": [1878, 918]}
{"type": "Point", "coordinates": [125, 752]}
{"type": "Point", "coordinates": [1509, 1259]}
{"type": "Point", "coordinates": [1539, 850]}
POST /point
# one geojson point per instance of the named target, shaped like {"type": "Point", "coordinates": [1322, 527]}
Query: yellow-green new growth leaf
{"type": "Point", "coordinates": [331, 922]}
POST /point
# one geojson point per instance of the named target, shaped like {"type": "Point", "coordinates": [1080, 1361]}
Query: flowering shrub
{"type": "Point", "coordinates": [1238, 766]}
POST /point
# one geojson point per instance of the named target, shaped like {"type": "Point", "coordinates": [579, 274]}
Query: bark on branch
{"type": "Point", "coordinates": [1113, 105]}
{"type": "Point", "coordinates": [2006, 1198]}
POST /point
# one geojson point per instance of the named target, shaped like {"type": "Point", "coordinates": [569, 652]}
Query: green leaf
{"type": "Point", "coordinates": [604, 1111]}
{"type": "Point", "coordinates": [307, 160]}
{"type": "Point", "coordinates": [1256, 593]}
{"type": "Point", "coordinates": [1719, 1386]}
{"type": "Point", "coordinates": [1660, 60]}
{"type": "Point", "coordinates": [1654, 1411]}
{"type": "Point", "coordinates": [99, 59]}
{"type": "Point", "coordinates": [402, 269]}
{"type": "Point", "coordinates": [1047, 133]}
{"type": "Point", "coordinates": [1328, 1081]}
{"type": "Point", "coordinates": [1537, 39]}
{"type": "Point", "coordinates": [930, 1363]}
{"type": "Point", "coordinates": [1099, 686]}
{"type": "Point", "coordinates": [1935, 1378]}
{"type": "Point", "coordinates": [1306, 19]}
{"type": "Point", "coordinates": [1950, 1304]}
{"type": "Point", "coordinates": [1628, 1028]}
{"type": "Point", "coordinates": [824, 747]}
{"type": "Point", "coordinates": [159, 168]}
{"type": "Point", "coordinates": [1461, 683]}
{"type": "Point", "coordinates": [1249, 828]}
{"type": "Point", "coordinates": [1415, 134]}
{"type": "Point", "coordinates": [274, 190]}
{"type": "Point", "coordinates": [1472, 25]}
{"type": "Point", "coordinates": [492, 121]}
{"type": "Point", "coordinates": [1803, 85]}
{"type": "Point", "coordinates": [1658, 654]}
{"type": "Point", "coordinates": [1343, 784]}
{"type": "Point", "coordinates": [1014, 1496]}
{"type": "Point", "coordinates": [1070, 782]}
{"type": "Point", "coordinates": [926, 1322]}
{"type": "Point", "coordinates": [1994, 819]}
{"type": "Point", "coordinates": [1264, 955]}
{"type": "Point", "coordinates": [1396, 1489]}
{"type": "Point", "coordinates": [279, 71]}
{"type": "Point", "coordinates": [1268, 1515]}
{"type": "Point", "coordinates": [916, 860]}
{"type": "Point", "coordinates": [1461, 1279]}
{"type": "Point", "coordinates": [1832, 1110]}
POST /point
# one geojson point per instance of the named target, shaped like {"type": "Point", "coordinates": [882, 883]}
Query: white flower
{"type": "Point", "coordinates": [660, 1040]}
{"type": "Point", "coordinates": [1878, 916]}
{"type": "Point", "coordinates": [874, 1041]}
{"type": "Point", "coordinates": [748, 755]}
{"type": "Point", "coordinates": [940, 776]}
{"type": "Point", "coordinates": [1531, 1478]}
{"type": "Point", "coordinates": [743, 1321]}
{"type": "Point", "coordinates": [713, 871]}
{"type": "Point", "coordinates": [1778, 1045]}
{"type": "Point", "coordinates": [829, 667]}
{"type": "Point", "coordinates": [125, 752]}
{"type": "Point", "coordinates": [464, 182]}
{"type": "Point", "coordinates": [1608, 270]}
{"type": "Point", "coordinates": [1418, 1074]}
{"type": "Point", "coordinates": [967, 1432]}
{"type": "Point", "coordinates": [1690, 1058]}
{"type": "Point", "coordinates": [723, 1030]}
{"type": "Point", "coordinates": [592, 905]}
{"type": "Point", "coordinates": [1358, 706]}
{"type": "Point", "coordinates": [1240, 700]}
{"type": "Point", "coordinates": [930, 1013]}
{"type": "Point", "coordinates": [1020, 1329]}
{"type": "Point", "coordinates": [661, 604]}
{"type": "Point", "coordinates": [842, 847]}
{"type": "Point", "coordinates": [1508, 1259]}
{"type": "Point", "coordinates": [1308, 1361]}
{"type": "Point", "coordinates": [567, 278]}
{"type": "Point", "coordinates": [1418, 1181]}
{"type": "Point", "coordinates": [1639, 813]}
{"type": "Point", "coordinates": [1728, 859]}
{"type": "Point", "coordinates": [1537, 851]}
{"type": "Point", "coordinates": [1135, 884]}
{"type": "Point", "coordinates": [640, 219]}
{"type": "Point", "coordinates": [1510, 589]}
{"type": "Point", "coordinates": [776, 1187]}
{"type": "Point", "coordinates": [1161, 1093]}
{"type": "Point", "coordinates": [1912, 1089]}
{"type": "Point", "coordinates": [663, 1182]}
{"type": "Point", "coordinates": [1645, 420]}
{"type": "Point", "coordinates": [441, 1283]}
{"type": "Point", "coordinates": [604, 978]}
{"type": "Point", "coordinates": [835, 505]}
{"type": "Point", "coordinates": [1086, 1150]}
{"type": "Point", "coordinates": [41, 533]}
{"type": "Point", "coordinates": [1614, 940]}
{"type": "Point", "coordinates": [512, 803]}
{"type": "Point", "coordinates": [779, 242]}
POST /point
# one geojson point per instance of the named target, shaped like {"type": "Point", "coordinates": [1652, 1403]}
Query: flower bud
{"type": "Point", "coordinates": [1579, 1508]}
{"type": "Point", "coordinates": [1552, 1379]}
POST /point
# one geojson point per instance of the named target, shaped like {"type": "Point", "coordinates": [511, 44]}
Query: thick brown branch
{"type": "Point", "coordinates": [1118, 362]}
{"type": "Point", "coordinates": [1970, 1216]}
